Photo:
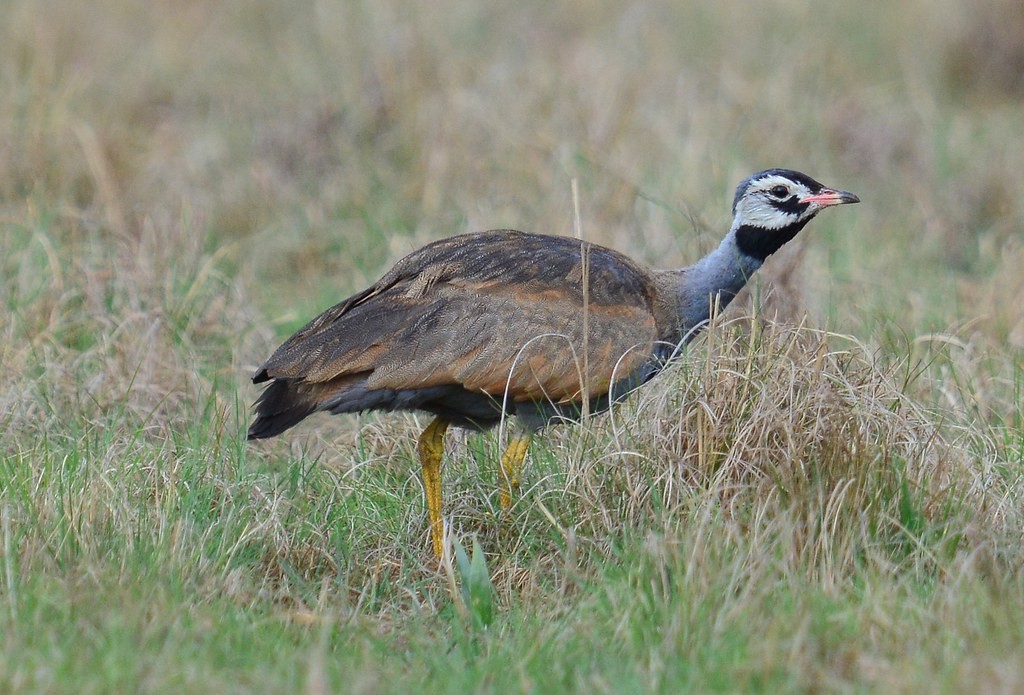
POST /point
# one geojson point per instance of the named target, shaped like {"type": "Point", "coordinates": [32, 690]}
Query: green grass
{"type": "Point", "coordinates": [824, 495]}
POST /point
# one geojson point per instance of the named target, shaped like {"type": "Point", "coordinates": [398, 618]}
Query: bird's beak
{"type": "Point", "coordinates": [828, 197]}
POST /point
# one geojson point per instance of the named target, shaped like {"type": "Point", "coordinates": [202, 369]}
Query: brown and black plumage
{"type": "Point", "coordinates": [478, 326]}
{"type": "Point", "coordinates": [444, 332]}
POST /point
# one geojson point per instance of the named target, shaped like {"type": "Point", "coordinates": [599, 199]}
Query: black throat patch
{"type": "Point", "coordinates": [759, 243]}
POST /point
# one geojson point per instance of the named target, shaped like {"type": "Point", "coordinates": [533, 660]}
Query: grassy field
{"type": "Point", "coordinates": [824, 495]}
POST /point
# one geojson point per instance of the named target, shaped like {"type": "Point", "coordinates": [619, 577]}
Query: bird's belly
{"type": "Point", "coordinates": [538, 414]}
{"type": "Point", "coordinates": [478, 410]}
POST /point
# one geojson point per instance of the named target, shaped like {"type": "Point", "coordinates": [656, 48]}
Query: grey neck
{"type": "Point", "coordinates": [713, 280]}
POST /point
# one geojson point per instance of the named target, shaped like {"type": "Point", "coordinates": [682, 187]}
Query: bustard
{"type": "Point", "coordinates": [478, 326]}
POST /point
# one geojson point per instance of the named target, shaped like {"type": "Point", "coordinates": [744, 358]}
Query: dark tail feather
{"type": "Point", "coordinates": [279, 407]}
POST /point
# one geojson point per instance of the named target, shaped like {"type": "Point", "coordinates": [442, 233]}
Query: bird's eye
{"type": "Point", "coordinates": [779, 192]}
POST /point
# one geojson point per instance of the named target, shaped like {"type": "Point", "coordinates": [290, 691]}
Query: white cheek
{"type": "Point", "coordinates": [766, 216]}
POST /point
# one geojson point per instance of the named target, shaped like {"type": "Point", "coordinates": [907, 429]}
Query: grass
{"type": "Point", "coordinates": [823, 495]}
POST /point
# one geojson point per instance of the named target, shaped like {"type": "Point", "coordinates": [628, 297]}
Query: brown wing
{"type": "Point", "coordinates": [487, 312]}
{"type": "Point", "coordinates": [488, 338]}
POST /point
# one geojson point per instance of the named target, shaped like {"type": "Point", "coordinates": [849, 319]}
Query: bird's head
{"type": "Point", "coordinates": [772, 206]}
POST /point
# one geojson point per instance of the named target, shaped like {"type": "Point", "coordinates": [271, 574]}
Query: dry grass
{"type": "Point", "coordinates": [790, 509]}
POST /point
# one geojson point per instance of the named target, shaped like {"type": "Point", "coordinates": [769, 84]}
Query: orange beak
{"type": "Point", "coordinates": [828, 197]}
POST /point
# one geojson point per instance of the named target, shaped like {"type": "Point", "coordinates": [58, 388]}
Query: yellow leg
{"type": "Point", "coordinates": [511, 462]}
{"type": "Point", "coordinates": [431, 449]}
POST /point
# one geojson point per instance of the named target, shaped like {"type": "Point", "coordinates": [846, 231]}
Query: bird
{"type": "Point", "coordinates": [480, 326]}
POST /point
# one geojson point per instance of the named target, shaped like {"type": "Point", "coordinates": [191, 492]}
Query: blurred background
{"type": "Point", "coordinates": [207, 176]}
{"type": "Point", "coordinates": [183, 183]}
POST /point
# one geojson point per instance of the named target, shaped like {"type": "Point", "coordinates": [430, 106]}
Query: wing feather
{"type": "Point", "coordinates": [490, 312]}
